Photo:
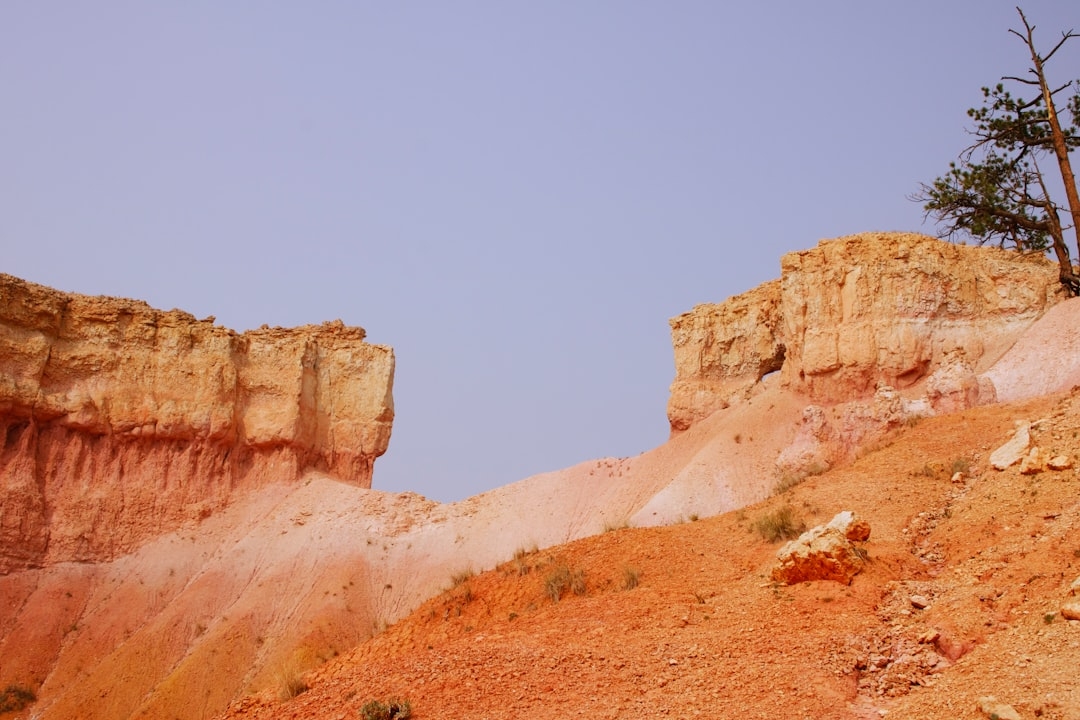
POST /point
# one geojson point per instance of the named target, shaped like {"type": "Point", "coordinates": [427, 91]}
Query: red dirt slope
{"type": "Point", "coordinates": [705, 634]}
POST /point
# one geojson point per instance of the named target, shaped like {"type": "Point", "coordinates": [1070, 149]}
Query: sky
{"type": "Point", "coordinates": [515, 196]}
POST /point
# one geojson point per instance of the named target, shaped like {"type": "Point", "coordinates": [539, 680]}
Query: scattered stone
{"type": "Point", "coordinates": [997, 711]}
{"type": "Point", "coordinates": [930, 636]}
{"type": "Point", "coordinates": [919, 602]}
{"type": "Point", "coordinates": [1074, 589]}
{"type": "Point", "coordinates": [1014, 450]}
{"type": "Point", "coordinates": [1059, 462]}
{"type": "Point", "coordinates": [1034, 462]}
{"type": "Point", "coordinates": [825, 552]}
{"type": "Point", "coordinates": [1071, 611]}
{"type": "Point", "coordinates": [958, 477]}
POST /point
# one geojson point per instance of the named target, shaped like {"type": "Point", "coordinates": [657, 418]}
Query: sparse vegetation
{"type": "Point", "coordinates": [790, 479]}
{"type": "Point", "coordinates": [631, 577]}
{"type": "Point", "coordinates": [563, 579]}
{"type": "Point", "coordinates": [15, 698]}
{"type": "Point", "coordinates": [461, 576]}
{"type": "Point", "coordinates": [392, 709]}
{"type": "Point", "coordinates": [612, 526]}
{"type": "Point", "coordinates": [960, 465]}
{"type": "Point", "coordinates": [290, 682]}
{"type": "Point", "coordinates": [521, 565]}
{"type": "Point", "coordinates": [780, 524]}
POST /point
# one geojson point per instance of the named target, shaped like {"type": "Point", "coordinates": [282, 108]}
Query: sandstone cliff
{"type": "Point", "coordinates": [121, 421]}
{"type": "Point", "coordinates": [856, 312]}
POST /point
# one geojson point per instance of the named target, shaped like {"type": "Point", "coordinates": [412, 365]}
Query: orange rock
{"type": "Point", "coordinates": [825, 552]}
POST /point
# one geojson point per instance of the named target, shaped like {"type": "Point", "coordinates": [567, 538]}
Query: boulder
{"type": "Point", "coordinates": [1014, 450]}
{"type": "Point", "coordinates": [1059, 462]}
{"type": "Point", "coordinates": [1034, 462]}
{"type": "Point", "coordinates": [825, 552]}
{"type": "Point", "coordinates": [995, 710]}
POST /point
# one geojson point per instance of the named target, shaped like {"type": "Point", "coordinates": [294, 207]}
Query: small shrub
{"type": "Point", "coordinates": [912, 420]}
{"type": "Point", "coordinates": [927, 471]}
{"type": "Point", "coordinates": [631, 577]}
{"type": "Point", "coordinates": [392, 709]}
{"type": "Point", "coordinates": [523, 567]}
{"type": "Point", "coordinates": [959, 465]}
{"type": "Point", "coordinates": [1049, 618]}
{"type": "Point", "coordinates": [790, 479]}
{"type": "Point", "coordinates": [780, 524]}
{"type": "Point", "coordinates": [290, 682]}
{"type": "Point", "coordinates": [15, 698]}
{"type": "Point", "coordinates": [461, 576]}
{"type": "Point", "coordinates": [561, 579]}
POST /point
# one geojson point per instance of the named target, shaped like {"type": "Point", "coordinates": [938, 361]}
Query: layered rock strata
{"type": "Point", "coordinates": [855, 313]}
{"type": "Point", "coordinates": [121, 421]}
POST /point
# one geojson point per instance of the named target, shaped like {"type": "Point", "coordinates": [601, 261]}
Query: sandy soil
{"type": "Point", "coordinates": [705, 634]}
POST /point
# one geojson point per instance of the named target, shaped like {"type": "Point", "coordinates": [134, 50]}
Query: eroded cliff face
{"type": "Point", "coordinates": [121, 421]}
{"type": "Point", "coordinates": [722, 350]}
{"type": "Point", "coordinates": [855, 313]}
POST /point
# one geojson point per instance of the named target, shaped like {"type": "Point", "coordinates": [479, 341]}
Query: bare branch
{"type": "Point", "coordinates": [1020, 80]}
{"type": "Point", "coordinates": [1064, 37]}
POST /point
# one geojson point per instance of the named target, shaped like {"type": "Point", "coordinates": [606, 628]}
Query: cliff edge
{"type": "Point", "coordinates": [121, 421]}
{"type": "Point", "coordinates": [856, 312]}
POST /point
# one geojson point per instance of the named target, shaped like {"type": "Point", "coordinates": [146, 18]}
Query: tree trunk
{"type": "Point", "coordinates": [1061, 151]}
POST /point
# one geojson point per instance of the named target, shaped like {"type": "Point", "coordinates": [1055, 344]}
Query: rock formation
{"type": "Point", "coordinates": [121, 421]}
{"type": "Point", "coordinates": [722, 350]}
{"type": "Point", "coordinates": [858, 312]}
{"type": "Point", "coordinates": [825, 552]}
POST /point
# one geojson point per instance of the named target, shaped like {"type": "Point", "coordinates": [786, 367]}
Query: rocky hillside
{"type": "Point", "coordinates": [969, 590]}
{"type": "Point", "coordinates": [220, 550]}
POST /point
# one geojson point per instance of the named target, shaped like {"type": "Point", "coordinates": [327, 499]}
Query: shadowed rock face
{"type": "Point", "coordinates": [121, 421]}
{"type": "Point", "coordinates": [856, 312]}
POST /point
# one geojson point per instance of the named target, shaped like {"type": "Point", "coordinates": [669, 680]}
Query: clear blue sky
{"type": "Point", "coordinates": [516, 196]}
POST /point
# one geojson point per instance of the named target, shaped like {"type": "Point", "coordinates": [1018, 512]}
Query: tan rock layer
{"type": "Point", "coordinates": [121, 421]}
{"type": "Point", "coordinates": [856, 312]}
{"type": "Point", "coordinates": [721, 350]}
